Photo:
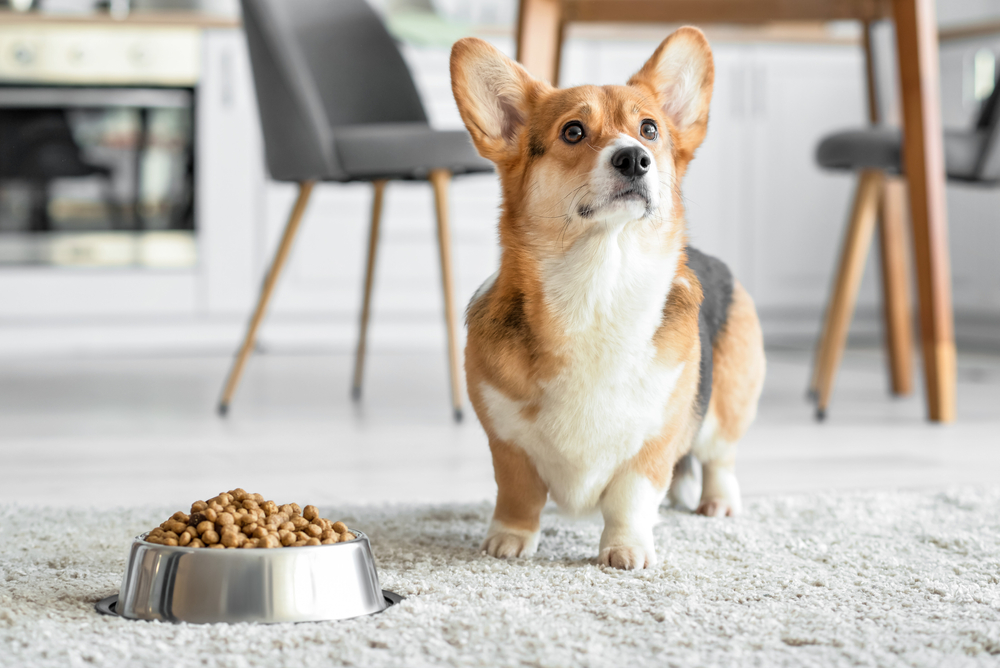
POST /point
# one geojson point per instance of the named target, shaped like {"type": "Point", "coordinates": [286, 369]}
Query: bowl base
{"type": "Point", "coordinates": [106, 606]}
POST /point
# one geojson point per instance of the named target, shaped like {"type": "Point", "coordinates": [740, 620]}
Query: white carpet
{"type": "Point", "coordinates": [888, 579]}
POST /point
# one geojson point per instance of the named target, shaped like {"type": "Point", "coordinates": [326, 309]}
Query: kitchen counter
{"type": "Point", "coordinates": [133, 20]}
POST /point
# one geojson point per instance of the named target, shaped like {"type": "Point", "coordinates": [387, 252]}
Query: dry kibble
{"type": "Point", "coordinates": [238, 519]}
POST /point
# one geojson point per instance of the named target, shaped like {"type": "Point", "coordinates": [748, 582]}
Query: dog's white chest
{"type": "Point", "coordinates": [612, 394]}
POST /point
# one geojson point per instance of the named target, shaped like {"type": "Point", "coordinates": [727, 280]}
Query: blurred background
{"type": "Point", "coordinates": [137, 220]}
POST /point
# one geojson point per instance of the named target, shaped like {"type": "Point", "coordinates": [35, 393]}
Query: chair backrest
{"type": "Point", "coordinates": [988, 127]}
{"type": "Point", "coordinates": [319, 64]}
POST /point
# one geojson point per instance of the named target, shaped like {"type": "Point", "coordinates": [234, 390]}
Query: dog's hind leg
{"type": "Point", "coordinates": [685, 484]}
{"type": "Point", "coordinates": [737, 379]}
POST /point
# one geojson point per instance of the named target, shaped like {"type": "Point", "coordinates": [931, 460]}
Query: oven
{"type": "Point", "coordinates": [97, 137]}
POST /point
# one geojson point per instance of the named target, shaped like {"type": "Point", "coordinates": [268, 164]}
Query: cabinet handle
{"type": "Point", "coordinates": [226, 92]}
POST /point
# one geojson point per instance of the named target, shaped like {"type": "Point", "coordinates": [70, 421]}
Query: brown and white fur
{"type": "Point", "coordinates": [583, 356]}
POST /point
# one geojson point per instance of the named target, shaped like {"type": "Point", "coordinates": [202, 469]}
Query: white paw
{"type": "Point", "coordinates": [627, 557]}
{"type": "Point", "coordinates": [718, 508]}
{"type": "Point", "coordinates": [507, 543]}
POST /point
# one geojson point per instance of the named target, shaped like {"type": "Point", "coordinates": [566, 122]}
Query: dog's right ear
{"type": "Point", "coordinates": [494, 95]}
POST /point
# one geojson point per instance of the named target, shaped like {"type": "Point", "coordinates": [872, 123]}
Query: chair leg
{"type": "Point", "coordinates": [845, 288]}
{"type": "Point", "coordinates": [280, 256]}
{"type": "Point", "coordinates": [440, 178]}
{"type": "Point", "coordinates": [896, 297]}
{"type": "Point", "coordinates": [359, 356]}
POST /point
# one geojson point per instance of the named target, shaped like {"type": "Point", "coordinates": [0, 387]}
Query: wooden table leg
{"type": "Point", "coordinates": [539, 38]}
{"type": "Point", "coordinates": [917, 51]}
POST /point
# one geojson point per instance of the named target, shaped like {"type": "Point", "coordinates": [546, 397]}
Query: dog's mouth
{"type": "Point", "coordinates": [627, 193]}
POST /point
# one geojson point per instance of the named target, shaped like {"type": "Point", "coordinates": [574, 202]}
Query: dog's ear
{"type": "Point", "coordinates": [681, 74]}
{"type": "Point", "coordinates": [494, 95]}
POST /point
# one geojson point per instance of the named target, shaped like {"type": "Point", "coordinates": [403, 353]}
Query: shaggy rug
{"type": "Point", "coordinates": [865, 579]}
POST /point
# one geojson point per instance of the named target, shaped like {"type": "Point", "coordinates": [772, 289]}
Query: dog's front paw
{"type": "Point", "coordinates": [506, 543]}
{"type": "Point", "coordinates": [628, 557]}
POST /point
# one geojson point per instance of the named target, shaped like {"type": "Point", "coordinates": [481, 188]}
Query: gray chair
{"type": "Point", "coordinates": [971, 156]}
{"type": "Point", "coordinates": [337, 103]}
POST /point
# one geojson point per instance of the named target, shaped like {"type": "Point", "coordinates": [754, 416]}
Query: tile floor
{"type": "Point", "coordinates": [109, 432]}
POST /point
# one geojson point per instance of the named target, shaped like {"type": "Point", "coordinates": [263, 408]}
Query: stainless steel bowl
{"type": "Point", "coordinates": [289, 584]}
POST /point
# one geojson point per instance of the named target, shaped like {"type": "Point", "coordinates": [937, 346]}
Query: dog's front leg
{"type": "Point", "coordinates": [630, 505]}
{"type": "Point", "coordinates": [521, 495]}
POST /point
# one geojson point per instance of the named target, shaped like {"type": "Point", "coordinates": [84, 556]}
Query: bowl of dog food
{"type": "Point", "coordinates": [239, 558]}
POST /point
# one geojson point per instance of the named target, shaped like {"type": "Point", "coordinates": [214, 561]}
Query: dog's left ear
{"type": "Point", "coordinates": [681, 74]}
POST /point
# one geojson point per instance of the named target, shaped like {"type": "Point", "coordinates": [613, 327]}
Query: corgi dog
{"type": "Point", "coordinates": [604, 350]}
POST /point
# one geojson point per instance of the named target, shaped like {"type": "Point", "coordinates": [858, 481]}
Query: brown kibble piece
{"type": "Point", "coordinates": [218, 546]}
{"type": "Point", "coordinates": [287, 526]}
{"type": "Point", "coordinates": [170, 541]}
{"type": "Point", "coordinates": [211, 514]}
{"type": "Point", "coordinates": [302, 535]}
{"type": "Point", "coordinates": [207, 525]}
{"type": "Point", "coordinates": [298, 543]}
{"type": "Point", "coordinates": [229, 539]}
{"type": "Point", "coordinates": [313, 531]}
{"type": "Point", "coordinates": [346, 536]}
{"type": "Point", "coordinates": [328, 534]}
{"type": "Point", "coordinates": [300, 522]}
{"type": "Point", "coordinates": [210, 537]}
{"type": "Point", "coordinates": [198, 506]}
{"type": "Point", "coordinates": [339, 527]}
{"type": "Point", "coordinates": [287, 539]}
{"type": "Point", "coordinates": [248, 529]}
{"type": "Point", "coordinates": [184, 539]}
{"type": "Point", "coordinates": [225, 519]}
{"type": "Point", "coordinates": [329, 541]}
{"type": "Point", "coordinates": [196, 542]}
{"type": "Point", "coordinates": [310, 513]}
{"type": "Point", "coordinates": [260, 532]}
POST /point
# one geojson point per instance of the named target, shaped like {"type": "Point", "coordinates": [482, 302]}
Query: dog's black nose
{"type": "Point", "coordinates": [632, 162]}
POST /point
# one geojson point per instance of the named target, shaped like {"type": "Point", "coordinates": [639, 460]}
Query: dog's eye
{"type": "Point", "coordinates": [572, 133]}
{"type": "Point", "coordinates": [648, 130]}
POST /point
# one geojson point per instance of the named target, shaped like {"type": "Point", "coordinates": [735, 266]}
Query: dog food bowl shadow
{"type": "Point", "coordinates": [288, 584]}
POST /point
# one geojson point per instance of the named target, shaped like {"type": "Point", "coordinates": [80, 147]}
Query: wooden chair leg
{"type": "Point", "coordinates": [440, 179]}
{"type": "Point", "coordinates": [359, 356]}
{"type": "Point", "coordinates": [854, 252]}
{"type": "Point", "coordinates": [895, 287]}
{"type": "Point", "coordinates": [280, 256]}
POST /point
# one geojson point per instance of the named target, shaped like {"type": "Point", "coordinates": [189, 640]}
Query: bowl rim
{"type": "Point", "coordinates": [141, 539]}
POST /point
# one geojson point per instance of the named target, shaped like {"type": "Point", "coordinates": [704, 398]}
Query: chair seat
{"type": "Point", "coordinates": [405, 151]}
{"type": "Point", "coordinates": [881, 148]}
